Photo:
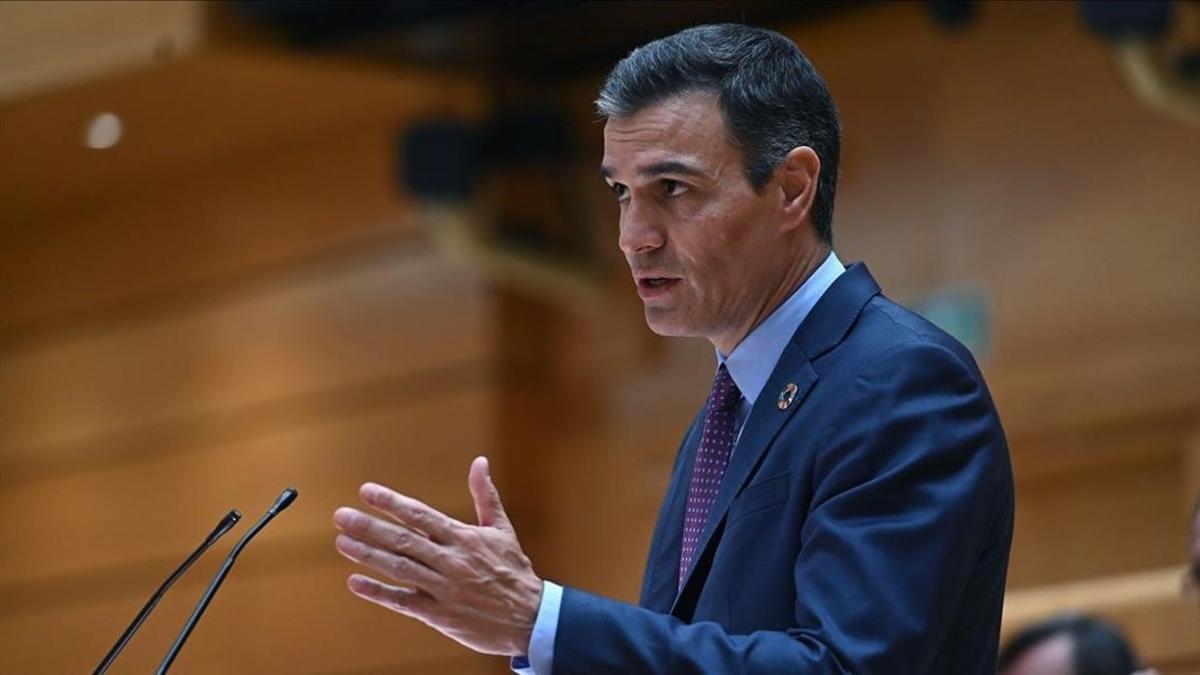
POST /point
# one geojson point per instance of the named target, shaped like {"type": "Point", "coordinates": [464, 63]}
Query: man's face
{"type": "Point", "coordinates": [703, 246]}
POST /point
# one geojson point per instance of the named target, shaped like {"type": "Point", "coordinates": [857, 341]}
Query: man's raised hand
{"type": "Point", "coordinates": [473, 583]}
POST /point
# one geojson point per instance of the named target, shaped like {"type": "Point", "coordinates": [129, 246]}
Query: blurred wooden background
{"type": "Point", "coordinates": [238, 297]}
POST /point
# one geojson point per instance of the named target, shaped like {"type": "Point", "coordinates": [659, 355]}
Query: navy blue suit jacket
{"type": "Point", "coordinates": [862, 530]}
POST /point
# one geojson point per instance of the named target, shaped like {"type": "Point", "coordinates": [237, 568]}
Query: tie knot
{"type": "Point", "coordinates": [725, 393]}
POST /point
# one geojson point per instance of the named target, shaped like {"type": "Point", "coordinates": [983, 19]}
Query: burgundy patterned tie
{"type": "Point", "coordinates": [716, 441]}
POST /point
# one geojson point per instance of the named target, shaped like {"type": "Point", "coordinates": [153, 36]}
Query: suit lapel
{"type": "Point", "coordinates": [822, 330]}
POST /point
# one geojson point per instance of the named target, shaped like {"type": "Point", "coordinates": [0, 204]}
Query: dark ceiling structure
{"type": "Point", "coordinates": [528, 40]}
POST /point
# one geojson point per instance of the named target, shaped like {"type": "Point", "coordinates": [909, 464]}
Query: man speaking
{"type": "Point", "coordinates": [842, 504]}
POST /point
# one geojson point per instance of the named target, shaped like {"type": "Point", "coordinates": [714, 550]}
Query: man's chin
{"type": "Point", "coordinates": [667, 324]}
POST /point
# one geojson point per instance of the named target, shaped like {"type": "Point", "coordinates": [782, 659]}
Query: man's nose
{"type": "Point", "coordinates": [639, 231]}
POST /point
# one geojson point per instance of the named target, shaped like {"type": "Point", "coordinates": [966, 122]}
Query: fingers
{"type": "Point", "coordinates": [488, 507]}
{"type": "Point", "coordinates": [473, 584]}
{"type": "Point", "coordinates": [410, 512]}
{"type": "Point", "coordinates": [404, 600]}
{"type": "Point", "coordinates": [405, 571]}
{"type": "Point", "coordinates": [390, 536]}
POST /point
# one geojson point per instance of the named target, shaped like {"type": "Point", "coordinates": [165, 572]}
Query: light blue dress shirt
{"type": "Point", "coordinates": [750, 366]}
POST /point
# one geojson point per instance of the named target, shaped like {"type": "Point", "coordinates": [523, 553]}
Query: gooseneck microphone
{"type": "Point", "coordinates": [285, 499]}
{"type": "Point", "coordinates": [222, 527]}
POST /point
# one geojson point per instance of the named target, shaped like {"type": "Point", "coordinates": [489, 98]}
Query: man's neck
{"type": "Point", "coordinates": [789, 282]}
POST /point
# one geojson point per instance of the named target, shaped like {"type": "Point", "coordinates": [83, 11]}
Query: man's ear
{"type": "Point", "coordinates": [798, 176]}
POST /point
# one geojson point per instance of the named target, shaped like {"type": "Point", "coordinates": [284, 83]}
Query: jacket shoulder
{"type": "Point", "coordinates": [886, 328]}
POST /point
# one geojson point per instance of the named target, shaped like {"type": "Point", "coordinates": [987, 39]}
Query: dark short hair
{"type": "Point", "coordinates": [771, 97]}
{"type": "Point", "coordinates": [1099, 647]}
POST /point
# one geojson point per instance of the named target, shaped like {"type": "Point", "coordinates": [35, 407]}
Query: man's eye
{"type": "Point", "coordinates": [673, 188]}
{"type": "Point", "coordinates": [619, 190]}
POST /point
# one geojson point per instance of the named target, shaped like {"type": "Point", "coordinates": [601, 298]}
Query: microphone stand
{"type": "Point", "coordinates": [224, 526]}
{"type": "Point", "coordinates": [289, 495]}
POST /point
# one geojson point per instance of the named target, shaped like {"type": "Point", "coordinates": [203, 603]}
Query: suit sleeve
{"type": "Point", "coordinates": [910, 480]}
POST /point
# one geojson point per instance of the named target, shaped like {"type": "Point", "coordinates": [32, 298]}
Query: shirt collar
{"type": "Point", "coordinates": [754, 358]}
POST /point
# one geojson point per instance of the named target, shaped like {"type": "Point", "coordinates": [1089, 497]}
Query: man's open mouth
{"type": "Point", "coordinates": [653, 287]}
{"type": "Point", "coordinates": [655, 282]}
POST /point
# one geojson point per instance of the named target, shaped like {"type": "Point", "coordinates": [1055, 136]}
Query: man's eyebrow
{"type": "Point", "coordinates": [671, 166]}
{"type": "Point", "coordinates": [660, 168]}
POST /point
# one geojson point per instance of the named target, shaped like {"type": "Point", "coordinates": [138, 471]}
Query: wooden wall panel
{"type": "Point", "coordinates": [230, 302]}
{"type": "Point", "coordinates": [379, 371]}
{"type": "Point", "coordinates": [203, 114]}
{"type": "Point", "coordinates": [266, 619]}
{"type": "Point", "coordinates": [231, 161]}
{"type": "Point", "coordinates": [259, 217]}
{"type": "Point", "coordinates": [160, 507]}
{"type": "Point", "coordinates": [1100, 501]}
{"type": "Point", "coordinates": [44, 47]}
{"type": "Point", "coordinates": [390, 315]}
{"type": "Point", "coordinates": [127, 449]}
{"type": "Point", "coordinates": [1099, 521]}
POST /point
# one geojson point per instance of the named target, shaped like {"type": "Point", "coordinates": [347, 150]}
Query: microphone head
{"type": "Point", "coordinates": [285, 499]}
{"type": "Point", "coordinates": [226, 523]}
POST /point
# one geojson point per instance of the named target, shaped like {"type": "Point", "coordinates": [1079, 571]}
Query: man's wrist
{"type": "Point", "coordinates": [530, 619]}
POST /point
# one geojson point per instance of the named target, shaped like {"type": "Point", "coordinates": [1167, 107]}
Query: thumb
{"type": "Point", "coordinates": [487, 498]}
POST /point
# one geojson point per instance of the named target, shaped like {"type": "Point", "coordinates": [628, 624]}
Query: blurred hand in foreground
{"type": "Point", "coordinates": [472, 583]}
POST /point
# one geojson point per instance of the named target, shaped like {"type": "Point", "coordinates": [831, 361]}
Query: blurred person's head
{"type": "Point", "coordinates": [1070, 645]}
{"type": "Point", "coordinates": [1191, 579]}
{"type": "Point", "coordinates": [721, 146]}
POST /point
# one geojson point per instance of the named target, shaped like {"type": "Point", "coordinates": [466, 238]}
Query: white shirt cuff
{"type": "Point", "coordinates": [541, 643]}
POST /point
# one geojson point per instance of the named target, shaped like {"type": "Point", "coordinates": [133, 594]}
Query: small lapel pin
{"type": "Point", "coordinates": [787, 395]}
